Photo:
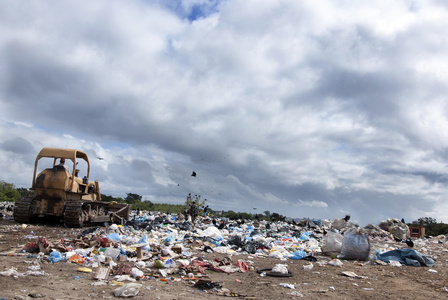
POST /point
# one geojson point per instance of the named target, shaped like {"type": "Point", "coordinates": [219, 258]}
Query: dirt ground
{"type": "Point", "coordinates": [321, 282]}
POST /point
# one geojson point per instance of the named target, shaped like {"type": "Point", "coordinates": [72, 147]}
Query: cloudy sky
{"type": "Point", "coordinates": [312, 108]}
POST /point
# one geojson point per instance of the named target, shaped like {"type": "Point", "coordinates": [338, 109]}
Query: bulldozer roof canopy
{"type": "Point", "coordinates": [62, 153]}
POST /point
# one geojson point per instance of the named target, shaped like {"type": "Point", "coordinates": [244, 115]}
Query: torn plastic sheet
{"type": "Point", "coordinates": [408, 257]}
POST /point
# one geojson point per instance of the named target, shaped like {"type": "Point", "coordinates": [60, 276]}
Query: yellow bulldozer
{"type": "Point", "coordinates": [60, 194]}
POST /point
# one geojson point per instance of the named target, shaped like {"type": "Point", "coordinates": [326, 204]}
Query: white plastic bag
{"type": "Point", "coordinates": [280, 268]}
{"type": "Point", "coordinates": [276, 254]}
{"type": "Point", "coordinates": [128, 290]}
{"type": "Point", "coordinates": [169, 263]}
{"type": "Point", "coordinates": [137, 273]}
{"type": "Point", "coordinates": [333, 243]}
{"type": "Point", "coordinates": [335, 262]}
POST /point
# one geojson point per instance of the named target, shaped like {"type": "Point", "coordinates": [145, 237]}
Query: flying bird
{"type": "Point", "coordinates": [193, 174]}
{"type": "Point", "coordinates": [100, 158]}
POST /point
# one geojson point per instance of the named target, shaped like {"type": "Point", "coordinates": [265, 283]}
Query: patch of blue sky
{"type": "Point", "coordinates": [192, 9]}
{"type": "Point", "coordinates": [348, 149]}
{"type": "Point", "coordinates": [341, 148]}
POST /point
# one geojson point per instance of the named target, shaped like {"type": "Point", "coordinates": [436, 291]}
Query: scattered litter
{"type": "Point", "coordinates": [280, 269]}
{"type": "Point", "coordinates": [13, 272]}
{"type": "Point", "coordinates": [353, 275]}
{"type": "Point", "coordinates": [394, 263]}
{"type": "Point", "coordinates": [128, 290]}
{"type": "Point", "coordinates": [84, 270]}
{"type": "Point", "coordinates": [121, 278]}
{"type": "Point", "coordinates": [308, 267]}
{"type": "Point", "coordinates": [37, 295]}
{"type": "Point", "coordinates": [335, 262]}
{"type": "Point", "coordinates": [10, 272]}
{"type": "Point", "coordinates": [288, 285]}
{"type": "Point", "coordinates": [156, 246]}
{"type": "Point", "coordinates": [76, 258]}
{"type": "Point", "coordinates": [297, 294]}
{"type": "Point", "coordinates": [102, 273]}
{"type": "Point", "coordinates": [206, 284]}
{"type": "Point", "coordinates": [98, 283]}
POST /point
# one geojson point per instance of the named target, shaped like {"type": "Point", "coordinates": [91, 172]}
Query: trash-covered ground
{"type": "Point", "coordinates": [156, 256]}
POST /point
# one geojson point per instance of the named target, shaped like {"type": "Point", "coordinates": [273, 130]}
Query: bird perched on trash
{"type": "Point", "coordinates": [409, 242]}
{"type": "Point", "coordinates": [193, 174]}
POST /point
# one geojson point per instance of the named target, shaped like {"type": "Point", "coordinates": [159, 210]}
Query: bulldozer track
{"type": "Point", "coordinates": [22, 209]}
{"type": "Point", "coordinates": [73, 215]}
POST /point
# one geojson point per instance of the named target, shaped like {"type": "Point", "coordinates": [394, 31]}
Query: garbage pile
{"type": "Point", "coordinates": [6, 210]}
{"type": "Point", "coordinates": [164, 247]}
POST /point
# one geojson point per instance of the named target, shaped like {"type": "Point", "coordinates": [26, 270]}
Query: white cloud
{"type": "Point", "coordinates": [312, 203]}
{"type": "Point", "coordinates": [342, 103]}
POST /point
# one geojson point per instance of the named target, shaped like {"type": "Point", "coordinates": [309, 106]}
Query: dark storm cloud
{"type": "Point", "coordinates": [18, 146]}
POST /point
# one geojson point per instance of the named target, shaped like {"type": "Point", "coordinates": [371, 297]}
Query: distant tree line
{"type": "Point", "coordinates": [432, 228]}
{"type": "Point", "coordinates": [9, 193]}
{"type": "Point", "coordinates": [131, 198]}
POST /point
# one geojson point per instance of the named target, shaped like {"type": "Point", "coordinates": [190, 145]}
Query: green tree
{"type": "Point", "coordinates": [8, 192]}
{"type": "Point", "coordinates": [277, 217]}
{"type": "Point", "coordinates": [143, 205]}
{"type": "Point", "coordinates": [267, 213]}
{"type": "Point", "coordinates": [107, 198]}
{"type": "Point", "coordinates": [132, 198]}
{"type": "Point", "coordinates": [426, 221]}
{"type": "Point", "coordinates": [24, 192]}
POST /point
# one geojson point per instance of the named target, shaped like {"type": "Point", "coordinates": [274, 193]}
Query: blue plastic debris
{"type": "Point", "coordinates": [299, 254]}
{"type": "Point", "coordinates": [55, 256]}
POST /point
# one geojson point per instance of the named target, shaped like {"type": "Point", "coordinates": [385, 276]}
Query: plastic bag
{"type": "Point", "coordinates": [77, 259]}
{"type": "Point", "coordinates": [333, 243]}
{"type": "Point", "coordinates": [137, 273]}
{"type": "Point", "coordinates": [236, 240]}
{"type": "Point", "coordinates": [212, 232]}
{"type": "Point", "coordinates": [305, 236]}
{"type": "Point", "coordinates": [128, 290]}
{"type": "Point", "coordinates": [144, 240]}
{"type": "Point", "coordinates": [169, 263]}
{"type": "Point", "coordinates": [276, 254]}
{"type": "Point", "coordinates": [299, 254]}
{"type": "Point", "coordinates": [335, 262]}
{"type": "Point", "coordinates": [280, 268]}
{"type": "Point", "coordinates": [355, 246]}
{"type": "Point", "coordinates": [112, 252]}
{"type": "Point", "coordinates": [114, 236]}
{"type": "Point", "coordinates": [55, 256]}
{"type": "Point", "coordinates": [11, 272]}
{"type": "Point", "coordinates": [400, 231]}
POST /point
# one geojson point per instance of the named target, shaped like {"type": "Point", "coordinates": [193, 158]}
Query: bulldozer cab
{"type": "Point", "coordinates": [63, 181]}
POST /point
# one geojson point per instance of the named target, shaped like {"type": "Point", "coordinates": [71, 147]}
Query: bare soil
{"type": "Point", "coordinates": [321, 282]}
